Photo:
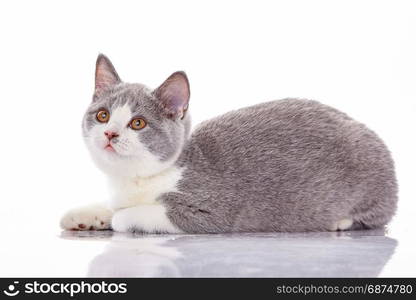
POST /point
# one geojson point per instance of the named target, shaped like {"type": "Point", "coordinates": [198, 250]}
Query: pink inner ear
{"type": "Point", "coordinates": [104, 80]}
{"type": "Point", "coordinates": [178, 95]}
{"type": "Point", "coordinates": [105, 74]}
{"type": "Point", "coordinates": [174, 94]}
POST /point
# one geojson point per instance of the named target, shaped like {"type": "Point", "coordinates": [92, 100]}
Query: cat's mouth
{"type": "Point", "coordinates": [109, 148]}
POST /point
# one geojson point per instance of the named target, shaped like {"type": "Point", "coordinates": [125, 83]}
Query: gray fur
{"type": "Point", "coordinates": [288, 165]}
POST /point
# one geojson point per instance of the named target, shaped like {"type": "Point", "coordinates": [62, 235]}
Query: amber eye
{"type": "Point", "coordinates": [103, 116]}
{"type": "Point", "coordinates": [137, 124]}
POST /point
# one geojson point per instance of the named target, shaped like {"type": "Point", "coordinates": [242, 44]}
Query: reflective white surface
{"type": "Point", "coordinates": [352, 254]}
{"type": "Point", "coordinates": [349, 254]}
{"type": "Point", "coordinates": [49, 253]}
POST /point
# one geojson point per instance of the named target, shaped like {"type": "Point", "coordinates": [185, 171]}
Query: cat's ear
{"type": "Point", "coordinates": [173, 95]}
{"type": "Point", "coordinates": [105, 74]}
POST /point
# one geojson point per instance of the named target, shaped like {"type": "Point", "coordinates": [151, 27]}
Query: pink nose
{"type": "Point", "coordinates": [110, 134]}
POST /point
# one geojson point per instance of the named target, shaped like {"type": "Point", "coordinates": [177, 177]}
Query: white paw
{"type": "Point", "coordinates": [149, 218]}
{"type": "Point", "coordinates": [93, 217]}
{"type": "Point", "coordinates": [342, 224]}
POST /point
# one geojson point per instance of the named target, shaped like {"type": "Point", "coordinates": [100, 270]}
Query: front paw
{"type": "Point", "coordinates": [144, 218]}
{"type": "Point", "coordinates": [94, 217]}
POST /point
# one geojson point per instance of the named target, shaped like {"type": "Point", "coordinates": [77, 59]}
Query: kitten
{"type": "Point", "coordinates": [288, 165]}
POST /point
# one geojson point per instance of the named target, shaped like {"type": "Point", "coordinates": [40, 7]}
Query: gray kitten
{"type": "Point", "coordinates": [287, 165]}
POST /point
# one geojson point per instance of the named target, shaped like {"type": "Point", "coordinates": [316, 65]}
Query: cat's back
{"type": "Point", "coordinates": [278, 126]}
{"type": "Point", "coordinates": [290, 135]}
{"type": "Point", "coordinates": [268, 115]}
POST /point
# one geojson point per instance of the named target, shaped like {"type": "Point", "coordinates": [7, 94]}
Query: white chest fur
{"type": "Point", "coordinates": [128, 192]}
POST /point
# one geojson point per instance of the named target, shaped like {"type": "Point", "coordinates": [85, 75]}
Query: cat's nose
{"type": "Point", "coordinates": [110, 134]}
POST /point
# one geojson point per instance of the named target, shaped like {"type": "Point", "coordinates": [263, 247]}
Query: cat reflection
{"type": "Point", "coordinates": [139, 257]}
{"type": "Point", "coordinates": [326, 254]}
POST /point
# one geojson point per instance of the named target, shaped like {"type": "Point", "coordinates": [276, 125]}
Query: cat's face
{"type": "Point", "coordinates": [131, 130]}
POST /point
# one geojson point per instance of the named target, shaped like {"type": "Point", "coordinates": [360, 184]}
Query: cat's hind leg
{"type": "Point", "coordinates": [343, 224]}
{"type": "Point", "coordinates": [92, 217]}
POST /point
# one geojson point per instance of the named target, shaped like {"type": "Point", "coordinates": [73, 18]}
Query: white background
{"type": "Point", "coordinates": [358, 56]}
